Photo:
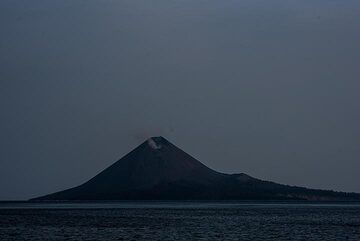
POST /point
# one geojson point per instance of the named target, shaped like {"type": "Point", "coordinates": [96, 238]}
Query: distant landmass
{"type": "Point", "coordinates": [158, 170]}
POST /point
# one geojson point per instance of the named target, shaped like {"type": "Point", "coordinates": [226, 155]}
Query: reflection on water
{"type": "Point", "coordinates": [179, 221]}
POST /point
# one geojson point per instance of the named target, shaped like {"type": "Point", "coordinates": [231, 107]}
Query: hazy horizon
{"type": "Point", "coordinates": [267, 88]}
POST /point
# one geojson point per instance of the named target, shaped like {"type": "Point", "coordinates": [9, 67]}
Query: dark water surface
{"type": "Point", "coordinates": [179, 221]}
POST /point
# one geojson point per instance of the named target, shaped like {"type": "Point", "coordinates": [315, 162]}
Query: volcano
{"type": "Point", "coordinates": [158, 170]}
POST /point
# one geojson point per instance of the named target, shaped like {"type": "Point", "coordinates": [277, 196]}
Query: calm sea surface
{"type": "Point", "coordinates": [179, 221]}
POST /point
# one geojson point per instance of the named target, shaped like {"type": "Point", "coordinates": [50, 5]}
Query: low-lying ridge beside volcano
{"type": "Point", "coordinates": [158, 170]}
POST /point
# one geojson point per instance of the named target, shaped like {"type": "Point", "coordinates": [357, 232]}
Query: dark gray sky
{"type": "Point", "coordinates": [269, 88]}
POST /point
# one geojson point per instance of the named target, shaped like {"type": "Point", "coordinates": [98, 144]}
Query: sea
{"type": "Point", "coordinates": [179, 221]}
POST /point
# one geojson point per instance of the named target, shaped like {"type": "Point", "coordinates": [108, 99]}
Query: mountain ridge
{"type": "Point", "coordinates": [158, 170]}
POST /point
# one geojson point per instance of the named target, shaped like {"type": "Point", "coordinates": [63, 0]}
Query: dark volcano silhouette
{"type": "Point", "coordinates": [158, 170]}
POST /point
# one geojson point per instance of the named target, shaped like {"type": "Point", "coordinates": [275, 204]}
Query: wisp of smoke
{"type": "Point", "coordinates": [153, 144]}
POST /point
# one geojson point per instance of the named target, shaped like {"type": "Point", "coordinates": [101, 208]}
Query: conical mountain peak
{"type": "Point", "coordinates": [158, 170]}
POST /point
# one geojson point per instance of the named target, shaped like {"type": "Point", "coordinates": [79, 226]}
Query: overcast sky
{"type": "Point", "coordinates": [266, 87]}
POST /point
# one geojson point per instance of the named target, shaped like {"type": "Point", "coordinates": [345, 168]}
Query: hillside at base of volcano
{"type": "Point", "coordinates": [158, 170]}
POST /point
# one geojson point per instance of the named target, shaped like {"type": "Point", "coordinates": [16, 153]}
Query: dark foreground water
{"type": "Point", "coordinates": [179, 221]}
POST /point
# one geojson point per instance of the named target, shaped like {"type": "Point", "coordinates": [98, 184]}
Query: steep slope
{"type": "Point", "coordinates": [158, 170]}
